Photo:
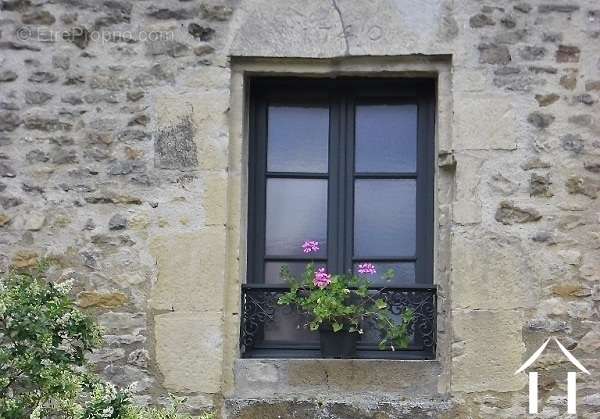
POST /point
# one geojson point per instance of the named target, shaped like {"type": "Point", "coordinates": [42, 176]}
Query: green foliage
{"type": "Point", "coordinates": [43, 341]}
{"type": "Point", "coordinates": [344, 304]}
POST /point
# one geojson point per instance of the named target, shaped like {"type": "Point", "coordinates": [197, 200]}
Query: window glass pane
{"type": "Point", "coordinates": [296, 212]}
{"type": "Point", "coordinates": [298, 139]}
{"type": "Point", "coordinates": [386, 138]}
{"type": "Point", "coordinates": [384, 217]}
{"type": "Point", "coordinates": [289, 326]}
{"type": "Point", "coordinates": [404, 273]}
{"type": "Point", "coordinates": [273, 269]}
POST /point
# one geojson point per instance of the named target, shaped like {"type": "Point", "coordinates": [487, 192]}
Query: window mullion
{"type": "Point", "coordinates": [347, 201]}
{"type": "Point", "coordinates": [332, 202]}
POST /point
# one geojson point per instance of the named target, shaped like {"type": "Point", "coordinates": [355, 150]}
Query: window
{"type": "Point", "coordinates": [348, 163]}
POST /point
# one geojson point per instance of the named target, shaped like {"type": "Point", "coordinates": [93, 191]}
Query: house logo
{"type": "Point", "coordinates": [571, 378]}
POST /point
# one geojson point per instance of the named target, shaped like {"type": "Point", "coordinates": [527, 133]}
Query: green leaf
{"type": "Point", "coordinates": [380, 304]}
{"type": "Point", "coordinates": [336, 327]}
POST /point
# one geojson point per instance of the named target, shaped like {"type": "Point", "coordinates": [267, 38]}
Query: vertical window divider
{"type": "Point", "coordinates": [333, 231]}
{"type": "Point", "coordinates": [348, 199]}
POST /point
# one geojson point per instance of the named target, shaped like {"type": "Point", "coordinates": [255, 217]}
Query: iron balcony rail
{"type": "Point", "coordinates": [260, 312]}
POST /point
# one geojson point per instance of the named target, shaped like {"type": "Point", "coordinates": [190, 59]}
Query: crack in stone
{"type": "Point", "coordinates": [339, 12]}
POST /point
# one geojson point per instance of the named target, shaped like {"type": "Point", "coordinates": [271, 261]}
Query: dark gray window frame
{"type": "Point", "coordinates": [342, 95]}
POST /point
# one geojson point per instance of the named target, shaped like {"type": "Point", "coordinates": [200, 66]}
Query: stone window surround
{"type": "Point", "coordinates": [307, 378]}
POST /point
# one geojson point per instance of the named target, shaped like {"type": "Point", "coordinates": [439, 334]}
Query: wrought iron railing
{"type": "Point", "coordinates": [261, 313]}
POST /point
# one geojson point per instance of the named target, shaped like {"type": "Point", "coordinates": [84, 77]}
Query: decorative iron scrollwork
{"type": "Point", "coordinates": [259, 304]}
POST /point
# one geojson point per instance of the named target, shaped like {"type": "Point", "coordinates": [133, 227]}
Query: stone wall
{"type": "Point", "coordinates": [122, 157]}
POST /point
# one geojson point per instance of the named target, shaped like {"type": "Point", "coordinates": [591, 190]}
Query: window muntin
{"type": "Point", "coordinates": [372, 201]}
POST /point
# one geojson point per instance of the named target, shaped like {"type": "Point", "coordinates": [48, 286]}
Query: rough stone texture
{"type": "Point", "coordinates": [478, 367]}
{"type": "Point", "coordinates": [196, 339]}
{"type": "Point", "coordinates": [123, 158]}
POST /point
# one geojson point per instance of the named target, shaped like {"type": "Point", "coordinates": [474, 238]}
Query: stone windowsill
{"type": "Point", "coordinates": [255, 378]}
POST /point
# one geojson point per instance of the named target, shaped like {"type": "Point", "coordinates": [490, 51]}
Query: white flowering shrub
{"type": "Point", "coordinates": [43, 341]}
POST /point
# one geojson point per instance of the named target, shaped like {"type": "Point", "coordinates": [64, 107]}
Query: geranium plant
{"type": "Point", "coordinates": [343, 303]}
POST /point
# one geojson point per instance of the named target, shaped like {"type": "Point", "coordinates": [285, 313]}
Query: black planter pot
{"type": "Point", "coordinates": [341, 344]}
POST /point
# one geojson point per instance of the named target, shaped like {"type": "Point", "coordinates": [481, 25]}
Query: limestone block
{"type": "Point", "coordinates": [493, 350]}
{"type": "Point", "coordinates": [188, 349]}
{"type": "Point", "coordinates": [215, 198]}
{"type": "Point", "coordinates": [485, 123]}
{"type": "Point", "coordinates": [466, 211]}
{"type": "Point", "coordinates": [191, 270]}
{"type": "Point", "coordinates": [293, 28]}
{"type": "Point", "coordinates": [297, 28]}
{"type": "Point", "coordinates": [206, 113]}
{"type": "Point", "coordinates": [87, 299]}
{"type": "Point", "coordinates": [491, 273]}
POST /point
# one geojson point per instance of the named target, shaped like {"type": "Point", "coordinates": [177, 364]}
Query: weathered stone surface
{"type": "Point", "coordinates": [572, 142]}
{"type": "Point", "coordinates": [523, 7]}
{"type": "Point", "coordinates": [105, 355]}
{"type": "Point", "coordinates": [584, 98]}
{"type": "Point", "coordinates": [78, 35]}
{"type": "Point", "coordinates": [87, 299]}
{"type": "Point", "coordinates": [480, 20]}
{"type": "Point", "coordinates": [37, 97]}
{"type": "Point", "coordinates": [7, 171]}
{"type": "Point", "coordinates": [315, 409]}
{"type": "Point", "coordinates": [167, 47]}
{"type": "Point", "coordinates": [187, 268]}
{"type": "Point", "coordinates": [540, 185]}
{"type": "Point", "coordinates": [260, 378]}
{"type": "Point", "coordinates": [176, 14]}
{"type": "Point", "coordinates": [501, 283]}
{"type": "Point", "coordinates": [117, 222]}
{"type": "Point", "coordinates": [175, 147]}
{"type": "Point", "coordinates": [548, 325]}
{"type": "Point", "coordinates": [540, 120]}
{"type": "Point", "coordinates": [494, 128]}
{"type": "Point", "coordinates": [593, 167]}
{"type": "Point", "coordinates": [493, 54]}
{"type": "Point", "coordinates": [188, 356]}
{"type": "Point", "coordinates": [114, 321]}
{"type": "Point", "coordinates": [478, 368]}
{"type": "Point", "coordinates": [139, 358]}
{"type": "Point", "coordinates": [571, 290]}
{"type": "Point", "coordinates": [583, 185]}
{"type": "Point", "coordinates": [535, 163]}
{"type": "Point", "coordinates": [46, 124]}
{"type": "Point", "coordinates": [4, 220]}
{"type": "Point", "coordinates": [546, 100]}
{"type": "Point", "coordinates": [569, 80]}
{"type": "Point", "coordinates": [201, 32]}
{"type": "Point", "coordinates": [581, 120]}
{"type": "Point", "coordinates": [38, 17]}
{"type": "Point", "coordinates": [9, 121]}
{"type": "Point", "coordinates": [7, 75]}
{"type": "Point", "coordinates": [590, 343]}
{"type": "Point", "coordinates": [32, 221]}
{"type": "Point", "coordinates": [558, 8]}
{"type": "Point", "coordinates": [25, 259]}
{"type": "Point", "coordinates": [567, 54]}
{"type": "Point", "coordinates": [508, 213]}
{"type": "Point", "coordinates": [532, 53]}
{"type": "Point", "coordinates": [43, 77]}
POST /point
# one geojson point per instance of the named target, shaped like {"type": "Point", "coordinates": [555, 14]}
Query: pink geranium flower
{"type": "Point", "coordinates": [322, 278]}
{"type": "Point", "coordinates": [366, 268]}
{"type": "Point", "coordinates": [310, 246]}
